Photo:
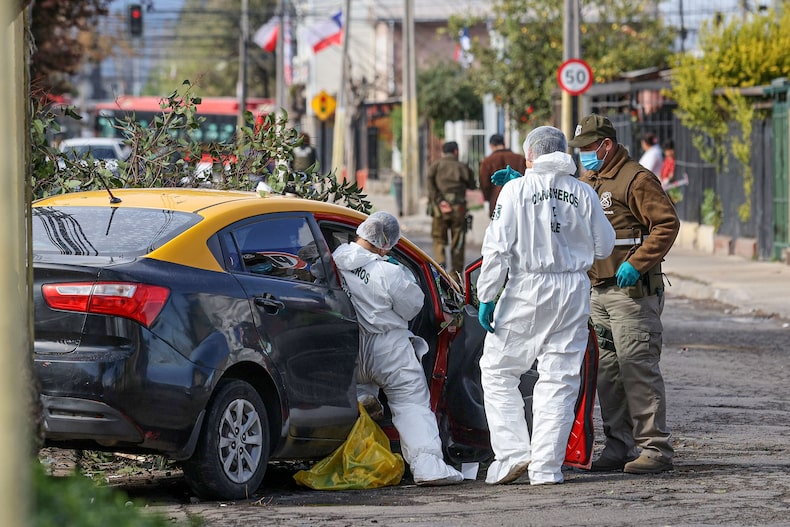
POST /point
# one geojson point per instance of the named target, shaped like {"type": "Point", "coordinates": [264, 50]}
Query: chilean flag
{"type": "Point", "coordinates": [266, 36]}
{"type": "Point", "coordinates": [325, 33]}
{"type": "Point", "coordinates": [462, 54]}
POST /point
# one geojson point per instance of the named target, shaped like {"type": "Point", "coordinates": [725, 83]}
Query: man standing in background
{"type": "Point", "coordinates": [499, 158]}
{"type": "Point", "coordinates": [448, 181]}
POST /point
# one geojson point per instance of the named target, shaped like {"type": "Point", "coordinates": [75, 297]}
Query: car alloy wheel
{"type": "Point", "coordinates": [239, 446]}
{"type": "Point", "coordinates": [232, 452]}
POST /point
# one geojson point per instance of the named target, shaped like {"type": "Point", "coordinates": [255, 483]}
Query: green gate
{"type": "Point", "coordinates": [781, 144]}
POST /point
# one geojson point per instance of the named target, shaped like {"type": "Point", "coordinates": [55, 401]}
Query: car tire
{"type": "Point", "coordinates": [232, 452]}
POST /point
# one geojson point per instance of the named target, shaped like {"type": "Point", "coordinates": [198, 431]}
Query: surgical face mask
{"type": "Point", "coordinates": [590, 159]}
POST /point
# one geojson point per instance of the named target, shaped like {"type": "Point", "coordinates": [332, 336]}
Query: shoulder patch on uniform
{"type": "Point", "coordinates": [606, 199]}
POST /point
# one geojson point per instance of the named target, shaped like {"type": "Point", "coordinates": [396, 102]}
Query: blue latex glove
{"type": "Point", "coordinates": [502, 176]}
{"type": "Point", "coordinates": [486, 315]}
{"type": "Point", "coordinates": [391, 259]}
{"type": "Point", "coordinates": [626, 275]}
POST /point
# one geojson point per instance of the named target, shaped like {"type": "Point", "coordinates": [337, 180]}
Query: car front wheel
{"type": "Point", "coordinates": [233, 450]}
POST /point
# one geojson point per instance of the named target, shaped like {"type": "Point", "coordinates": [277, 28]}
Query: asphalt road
{"type": "Point", "coordinates": [728, 383]}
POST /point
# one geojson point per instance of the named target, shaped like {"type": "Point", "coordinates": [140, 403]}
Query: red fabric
{"type": "Point", "coordinates": [667, 171]}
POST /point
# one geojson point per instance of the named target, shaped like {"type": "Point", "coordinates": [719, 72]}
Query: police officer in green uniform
{"type": "Point", "coordinates": [626, 302]}
{"type": "Point", "coordinates": [448, 180]}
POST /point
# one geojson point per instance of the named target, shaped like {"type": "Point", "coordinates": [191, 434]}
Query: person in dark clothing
{"type": "Point", "coordinates": [500, 157]}
{"type": "Point", "coordinates": [448, 181]}
{"type": "Point", "coordinates": [304, 155]}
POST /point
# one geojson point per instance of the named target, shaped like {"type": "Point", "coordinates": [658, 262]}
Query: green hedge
{"type": "Point", "coordinates": [77, 500]}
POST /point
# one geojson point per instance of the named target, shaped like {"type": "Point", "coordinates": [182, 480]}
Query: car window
{"type": "Point", "coordinates": [105, 231]}
{"type": "Point", "coordinates": [280, 247]}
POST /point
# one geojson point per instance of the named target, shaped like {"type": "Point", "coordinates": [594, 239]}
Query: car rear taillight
{"type": "Point", "coordinates": [140, 302]}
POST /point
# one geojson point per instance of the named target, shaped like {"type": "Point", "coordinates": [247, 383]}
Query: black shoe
{"type": "Point", "coordinates": [606, 464]}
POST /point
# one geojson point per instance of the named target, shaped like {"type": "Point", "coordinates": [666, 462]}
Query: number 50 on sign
{"type": "Point", "coordinates": [575, 76]}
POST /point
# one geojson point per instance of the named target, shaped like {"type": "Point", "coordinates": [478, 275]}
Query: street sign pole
{"type": "Point", "coordinates": [575, 77]}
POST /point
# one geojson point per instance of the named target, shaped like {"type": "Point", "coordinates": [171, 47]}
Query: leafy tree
{"type": "Point", "coordinates": [519, 65]}
{"type": "Point", "coordinates": [205, 48]}
{"type": "Point", "coordinates": [58, 30]}
{"type": "Point", "coordinates": [742, 53]}
{"type": "Point", "coordinates": [446, 93]}
{"type": "Point", "coordinates": [165, 154]}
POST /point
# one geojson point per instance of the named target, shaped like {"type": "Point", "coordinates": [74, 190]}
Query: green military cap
{"type": "Point", "coordinates": [592, 128]}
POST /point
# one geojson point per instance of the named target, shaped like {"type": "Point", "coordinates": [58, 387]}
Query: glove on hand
{"type": "Point", "coordinates": [502, 176]}
{"type": "Point", "coordinates": [391, 259]}
{"type": "Point", "coordinates": [626, 275]}
{"type": "Point", "coordinates": [485, 315]}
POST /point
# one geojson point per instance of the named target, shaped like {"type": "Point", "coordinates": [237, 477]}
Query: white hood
{"type": "Point", "coordinates": [352, 256]}
{"type": "Point", "coordinates": [553, 163]}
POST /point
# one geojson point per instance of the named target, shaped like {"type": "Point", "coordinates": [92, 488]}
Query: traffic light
{"type": "Point", "coordinates": [136, 20]}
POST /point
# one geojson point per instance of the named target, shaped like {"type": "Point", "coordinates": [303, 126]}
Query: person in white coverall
{"type": "Point", "coordinates": [545, 232]}
{"type": "Point", "coordinates": [385, 298]}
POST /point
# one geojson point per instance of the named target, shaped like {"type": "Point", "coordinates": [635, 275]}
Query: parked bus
{"type": "Point", "coordinates": [220, 115]}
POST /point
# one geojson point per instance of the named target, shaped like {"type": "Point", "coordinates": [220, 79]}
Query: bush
{"type": "Point", "coordinates": [77, 500]}
{"type": "Point", "coordinates": [711, 209]}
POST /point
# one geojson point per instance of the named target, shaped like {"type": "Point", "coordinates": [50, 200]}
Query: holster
{"type": "Point", "coordinates": [605, 337]}
{"type": "Point", "coordinates": [654, 280]}
{"type": "Point", "coordinates": [650, 283]}
{"type": "Point", "coordinates": [432, 209]}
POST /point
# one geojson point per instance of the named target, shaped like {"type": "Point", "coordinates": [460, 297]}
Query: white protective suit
{"type": "Point", "coordinates": [545, 232]}
{"type": "Point", "coordinates": [386, 297]}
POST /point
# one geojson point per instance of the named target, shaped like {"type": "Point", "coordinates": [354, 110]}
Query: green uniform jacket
{"type": "Point", "coordinates": [448, 180]}
{"type": "Point", "coordinates": [643, 216]}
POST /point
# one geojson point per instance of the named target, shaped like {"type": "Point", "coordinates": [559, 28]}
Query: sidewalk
{"type": "Point", "coordinates": [750, 287]}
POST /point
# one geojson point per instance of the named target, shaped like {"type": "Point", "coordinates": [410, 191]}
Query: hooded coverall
{"type": "Point", "coordinates": [385, 298]}
{"type": "Point", "coordinates": [545, 232]}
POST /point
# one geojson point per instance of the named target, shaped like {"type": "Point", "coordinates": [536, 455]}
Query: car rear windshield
{"type": "Point", "coordinates": [106, 231]}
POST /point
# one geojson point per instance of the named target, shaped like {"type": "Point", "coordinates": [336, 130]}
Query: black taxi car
{"type": "Point", "coordinates": [210, 327]}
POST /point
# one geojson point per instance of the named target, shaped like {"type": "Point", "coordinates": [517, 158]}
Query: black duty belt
{"type": "Point", "coordinates": [608, 282]}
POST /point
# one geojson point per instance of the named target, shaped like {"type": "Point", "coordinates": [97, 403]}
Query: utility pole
{"type": "Point", "coordinates": [683, 32]}
{"type": "Point", "coordinates": [241, 89]}
{"type": "Point", "coordinates": [279, 93]}
{"type": "Point", "coordinates": [410, 152]}
{"type": "Point", "coordinates": [338, 146]}
{"type": "Point", "coordinates": [16, 278]}
{"type": "Point", "coordinates": [571, 49]}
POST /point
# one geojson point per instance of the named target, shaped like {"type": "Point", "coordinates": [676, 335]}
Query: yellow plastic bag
{"type": "Point", "coordinates": [363, 461]}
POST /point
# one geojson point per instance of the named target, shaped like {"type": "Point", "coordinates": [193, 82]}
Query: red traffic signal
{"type": "Point", "coordinates": [136, 20]}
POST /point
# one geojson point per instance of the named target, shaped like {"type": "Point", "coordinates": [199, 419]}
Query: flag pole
{"type": "Point", "coordinates": [241, 88]}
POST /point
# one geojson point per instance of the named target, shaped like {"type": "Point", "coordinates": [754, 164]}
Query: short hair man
{"type": "Point", "coordinates": [626, 302]}
{"type": "Point", "coordinates": [448, 180]}
{"type": "Point", "coordinates": [500, 157]}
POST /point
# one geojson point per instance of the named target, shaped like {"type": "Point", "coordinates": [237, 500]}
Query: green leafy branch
{"type": "Point", "coordinates": [166, 153]}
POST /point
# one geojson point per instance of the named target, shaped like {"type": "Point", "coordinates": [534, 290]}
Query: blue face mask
{"type": "Point", "coordinates": [590, 159]}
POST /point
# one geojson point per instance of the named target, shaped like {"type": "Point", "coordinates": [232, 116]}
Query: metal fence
{"type": "Point", "coordinates": [726, 181]}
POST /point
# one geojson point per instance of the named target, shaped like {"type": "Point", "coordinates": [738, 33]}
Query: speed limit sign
{"type": "Point", "coordinates": [575, 76]}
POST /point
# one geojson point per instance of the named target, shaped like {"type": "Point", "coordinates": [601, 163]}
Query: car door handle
{"type": "Point", "coordinates": [269, 303]}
